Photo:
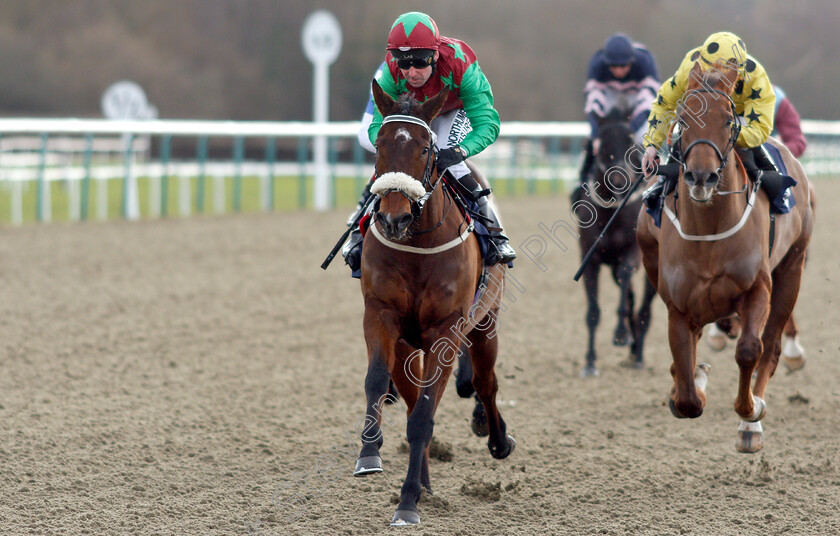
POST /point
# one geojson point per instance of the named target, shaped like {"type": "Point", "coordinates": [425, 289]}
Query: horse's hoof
{"type": "Point", "coordinates": [464, 390]}
{"type": "Point", "coordinates": [750, 437]}
{"type": "Point", "coordinates": [792, 364]}
{"type": "Point", "coordinates": [621, 339]}
{"type": "Point", "coordinates": [404, 518]}
{"type": "Point", "coordinates": [716, 339]}
{"type": "Point", "coordinates": [463, 384]}
{"type": "Point", "coordinates": [481, 429]}
{"type": "Point", "coordinates": [633, 363]}
{"type": "Point", "coordinates": [678, 414]}
{"type": "Point", "coordinates": [673, 408]}
{"type": "Point", "coordinates": [589, 371]}
{"type": "Point", "coordinates": [368, 465]}
{"type": "Point", "coordinates": [501, 455]}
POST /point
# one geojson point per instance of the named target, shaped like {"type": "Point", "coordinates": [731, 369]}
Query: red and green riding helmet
{"type": "Point", "coordinates": [414, 30]}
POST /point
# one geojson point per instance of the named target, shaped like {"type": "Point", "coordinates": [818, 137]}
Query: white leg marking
{"type": "Point", "coordinates": [791, 347]}
{"type": "Point", "coordinates": [701, 376]}
{"type": "Point", "coordinates": [750, 426]}
{"type": "Point", "coordinates": [759, 406]}
{"type": "Point", "coordinates": [717, 338]}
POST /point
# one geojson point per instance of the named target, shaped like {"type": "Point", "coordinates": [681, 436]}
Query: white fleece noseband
{"type": "Point", "coordinates": [397, 180]}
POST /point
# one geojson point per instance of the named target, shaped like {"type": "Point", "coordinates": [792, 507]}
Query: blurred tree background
{"type": "Point", "coordinates": [242, 59]}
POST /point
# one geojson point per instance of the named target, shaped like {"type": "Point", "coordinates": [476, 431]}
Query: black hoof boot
{"type": "Point", "coordinates": [501, 454]}
{"type": "Point", "coordinates": [479, 421]}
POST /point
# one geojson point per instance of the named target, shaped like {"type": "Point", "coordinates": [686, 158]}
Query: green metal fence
{"type": "Point", "coordinates": [70, 169]}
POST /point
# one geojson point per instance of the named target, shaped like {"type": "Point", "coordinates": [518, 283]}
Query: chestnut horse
{"type": "Point", "coordinates": [793, 354]}
{"type": "Point", "coordinates": [421, 269]}
{"type": "Point", "coordinates": [712, 256]}
{"type": "Point", "coordinates": [614, 166]}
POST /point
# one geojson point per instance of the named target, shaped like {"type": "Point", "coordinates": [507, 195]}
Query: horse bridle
{"type": "Point", "coordinates": [735, 131]}
{"type": "Point", "coordinates": [418, 205]}
{"type": "Point", "coordinates": [723, 156]}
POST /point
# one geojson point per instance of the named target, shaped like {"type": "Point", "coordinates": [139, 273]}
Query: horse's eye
{"type": "Point", "coordinates": [425, 151]}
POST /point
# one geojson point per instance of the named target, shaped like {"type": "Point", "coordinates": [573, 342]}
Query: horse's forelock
{"type": "Point", "coordinates": [618, 113]}
{"type": "Point", "coordinates": [406, 104]}
{"type": "Point", "coordinates": [712, 78]}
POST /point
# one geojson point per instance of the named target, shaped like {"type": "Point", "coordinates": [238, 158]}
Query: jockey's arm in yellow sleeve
{"type": "Point", "coordinates": [757, 103]}
{"type": "Point", "coordinates": [663, 108]}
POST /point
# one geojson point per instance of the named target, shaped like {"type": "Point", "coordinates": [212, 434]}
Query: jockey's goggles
{"type": "Point", "coordinates": [721, 63]}
{"type": "Point", "coordinates": [414, 58]}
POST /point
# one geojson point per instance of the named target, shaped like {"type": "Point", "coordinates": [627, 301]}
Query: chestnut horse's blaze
{"type": "Point", "coordinates": [712, 258]}
{"type": "Point", "coordinates": [420, 272]}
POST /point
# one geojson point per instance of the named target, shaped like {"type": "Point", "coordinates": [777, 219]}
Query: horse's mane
{"type": "Point", "coordinates": [712, 77]}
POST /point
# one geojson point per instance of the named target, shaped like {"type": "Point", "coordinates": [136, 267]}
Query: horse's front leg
{"type": "Point", "coordinates": [753, 310]}
{"type": "Point", "coordinates": [440, 355]}
{"type": "Point", "coordinates": [381, 334]}
{"type": "Point", "coordinates": [593, 315]}
{"type": "Point", "coordinates": [687, 398]}
{"type": "Point", "coordinates": [623, 273]}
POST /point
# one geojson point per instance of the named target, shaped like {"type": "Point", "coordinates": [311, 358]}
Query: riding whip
{"type": "Point", "coordinates": [349, 230]}
{"type": "Point", "coordinates": [607, 226]}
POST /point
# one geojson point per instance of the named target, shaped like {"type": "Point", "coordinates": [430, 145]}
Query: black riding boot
{"type": "Point", "coordinates": [755, 161]}
{"type": "Point", "coordinates": [500, 251]}
{"type": "Point", "coordinates": [352, 250]}
{"type": "Point", "coordinates": [653, 194]}
{"type": "Point", "coordinates": [666, 180]}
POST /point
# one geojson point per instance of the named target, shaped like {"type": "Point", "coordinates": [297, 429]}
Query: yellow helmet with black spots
{"type": "Point", "coordinates": [724, 48]}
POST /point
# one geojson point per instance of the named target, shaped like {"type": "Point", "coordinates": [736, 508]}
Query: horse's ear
{"type": "Point", "coordinates": [432, 107]}
{"type": "Point", "coordinates": [383, 101]}
{"type": "Point", "coordinates": [695, 77]}
{"type": "Point", "coordinates": [728, 80]}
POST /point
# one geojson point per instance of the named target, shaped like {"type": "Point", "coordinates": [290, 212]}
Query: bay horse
{"type": "Point", "coordinates": [421, 269]}
{"type": "Point", "coordinates": [613, 170]}
{"type": "Point", "coordinates": [712, 256]}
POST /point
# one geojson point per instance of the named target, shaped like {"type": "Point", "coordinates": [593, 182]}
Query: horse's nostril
{"type": "Point", "coordinates": [689, 177]}
{"type": "Point", "coordinates": [712, 179]}
{"type": "Point", "coordinates": [403, 222]}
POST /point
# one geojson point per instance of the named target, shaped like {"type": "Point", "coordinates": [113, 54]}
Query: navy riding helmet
{"type": "Point", "coordinates": [618, 50]}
